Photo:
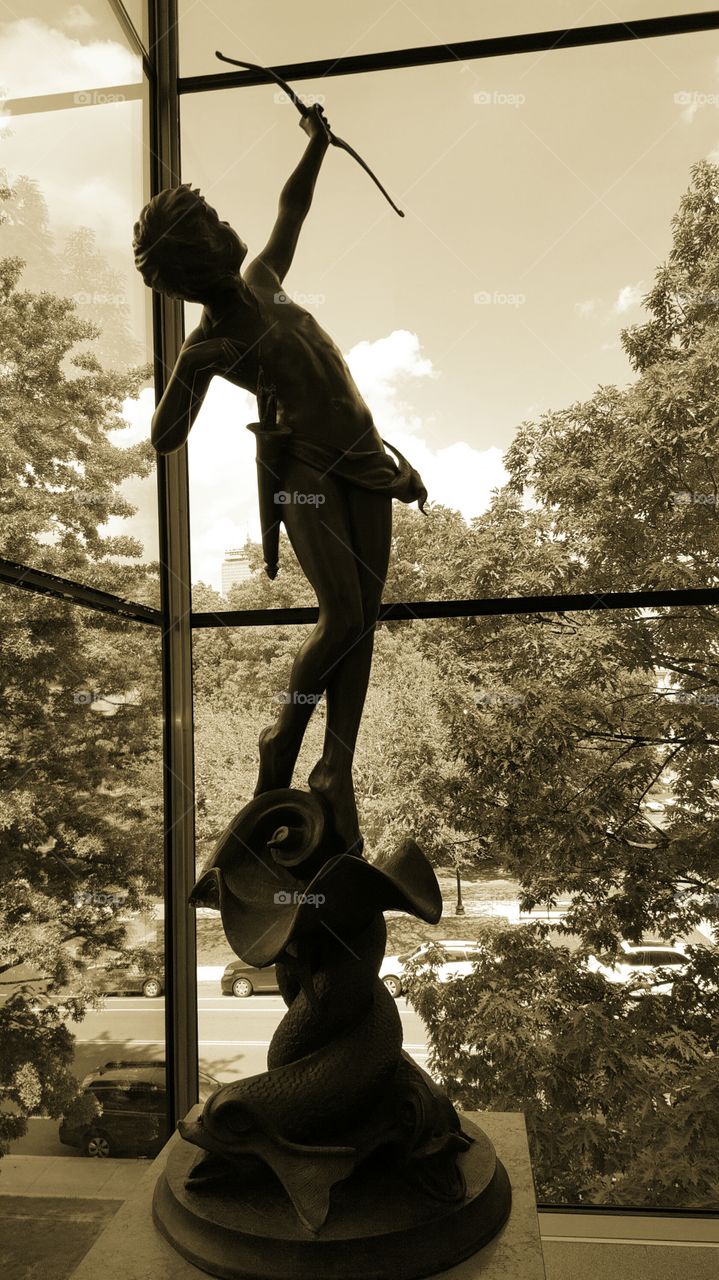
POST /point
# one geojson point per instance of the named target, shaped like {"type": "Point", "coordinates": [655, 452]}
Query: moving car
{"type": "Point", "coordinates": [240, 979]}
{"type": "Point", "coordinates": [458, 960]}
{"type": "Point", "coordinates": [640, 963]}
{"type": "Point", "coordinates": [132, 1116]}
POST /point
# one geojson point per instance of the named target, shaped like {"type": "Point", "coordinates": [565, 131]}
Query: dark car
{"type": "Point", "coordinates": [240, 979]}
{"type": "Point", "coordinates": [127, 979]}
{"type": "Point", "coordinates": [132, 1119]}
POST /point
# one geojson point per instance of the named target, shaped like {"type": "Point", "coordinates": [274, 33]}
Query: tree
{"type": "Point", "coordinates": [566, 728]}
{"type": "Point", "coordinates": [80, 727]}
{"type": "Point", "coordinates": [619, 1092]}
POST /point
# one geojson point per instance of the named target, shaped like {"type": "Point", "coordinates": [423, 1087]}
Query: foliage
{"type": "Point", "coordinates": [79, 692]}
{"type": "Point", "coordinates": [586, 754]}
{"type": "Point", "coordinates": [618, 1091]}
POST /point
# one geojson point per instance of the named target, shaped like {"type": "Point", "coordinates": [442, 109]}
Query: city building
{"type": "Point", "coordinates": [235, 568]}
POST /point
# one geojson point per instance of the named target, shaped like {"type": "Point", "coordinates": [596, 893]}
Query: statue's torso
{"type": "Point", "coordinates": [316, 394]}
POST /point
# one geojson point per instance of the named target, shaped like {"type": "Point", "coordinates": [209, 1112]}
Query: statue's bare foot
{"type": "Point", "coordinates": [335, 787]}
{"type": "Point", "coordinates": [276, 762]}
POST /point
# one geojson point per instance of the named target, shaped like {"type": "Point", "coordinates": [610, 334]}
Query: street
{"type": "Point", "coordinates": [233, 1038]}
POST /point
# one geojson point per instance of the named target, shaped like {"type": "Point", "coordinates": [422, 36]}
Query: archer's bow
{"type": "Point", "coordinates": [305, 111]}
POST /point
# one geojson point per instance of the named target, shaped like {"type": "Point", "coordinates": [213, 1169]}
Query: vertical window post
{"type": "Point", "coordinates": [174, 521]}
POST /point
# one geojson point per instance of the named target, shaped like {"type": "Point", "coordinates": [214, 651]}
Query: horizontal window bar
{"type": "Point", "coordinates": [419, 609]}
{"type": "Point", "coordinates": [566, 1220]}
{"type": "Point", "coordinates": [49, 584]}
{"type": "Point", "coordinates": [462, 51]}
{"type": "Point", "coordinates": [100, 96]}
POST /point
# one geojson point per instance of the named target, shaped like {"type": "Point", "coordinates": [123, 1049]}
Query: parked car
{"type": "Point", "coordinates": [458, 960]}
{"type": "Point", "coordinates": [132, 1119]}
{"type": "Point", "coordinates": [127, 979]}
{"type": "Point", "coordinates": [640, 964]}
{"type": "Point", "coordinates": [240, 979]}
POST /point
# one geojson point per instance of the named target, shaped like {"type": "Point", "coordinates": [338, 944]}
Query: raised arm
{"type": "Point", "coordinates": [271, 266]}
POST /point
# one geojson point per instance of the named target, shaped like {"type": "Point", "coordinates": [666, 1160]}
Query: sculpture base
{"type": "Point", "coordinates": [379, 1224]}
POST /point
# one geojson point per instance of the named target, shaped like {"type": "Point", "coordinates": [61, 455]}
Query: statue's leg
{"type": "Point", "coordinates": [321, 535]}
{"type": "Point", "coordinates": [347, 681]}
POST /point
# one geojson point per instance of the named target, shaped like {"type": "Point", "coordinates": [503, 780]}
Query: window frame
{"type": "Point", "coordinates": [175, 617]}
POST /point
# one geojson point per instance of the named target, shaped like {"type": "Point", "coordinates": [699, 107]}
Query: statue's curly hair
{"type": "Point", "coordinates": [173, 243]}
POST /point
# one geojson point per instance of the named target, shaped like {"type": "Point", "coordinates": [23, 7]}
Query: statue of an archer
{"type": "Point", "coordinates": [384, 1177]}
{"type": "Point", "coordinates": [322, 467]}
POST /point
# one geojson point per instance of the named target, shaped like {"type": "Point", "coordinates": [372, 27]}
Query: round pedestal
{"type": "Point", "coordinates": [380, 1226]}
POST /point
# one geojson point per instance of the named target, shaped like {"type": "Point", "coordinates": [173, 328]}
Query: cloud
{"type": "Point", "coordinates": [77, 18]}
{"type": "Point", "coordinates": [457, 476]}
{"type": "Point", "coordinates": [223, 479]}
{"type": "Point", "coordinates": [380, 368]}
{"type": "Point", "coordinates": [690, 105]}
{"type": "Point", "coordinates": [138, 416]}
{"type": "Point", "coordinates": [85, 158]}
{"type": "Point", "coordinates": [40, 59]}
{"type": "Point", "coordinates": [629, 296]}
{"type": "Point", "coordinates": [586, 309]}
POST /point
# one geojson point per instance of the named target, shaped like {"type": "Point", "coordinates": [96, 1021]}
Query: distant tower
{"type": "Point", "coordinates": [235, 567]}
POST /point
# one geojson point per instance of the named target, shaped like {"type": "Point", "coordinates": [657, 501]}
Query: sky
{"type": "Point", "coordinates": [538, 193]}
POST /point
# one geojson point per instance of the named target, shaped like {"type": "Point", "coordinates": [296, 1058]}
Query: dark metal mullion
{"type": "Point", "coordinates": [629, 1211]}
{"type": "Point", "coordinates": [181, 1051]}
{"type": "Point", "coordinates": [462, 51]}
{"type": "Point", "coordinates": [50, 584]}
{"type": "Point", "coordinates": [133, 35]}
{"type": "Point", "coordinates": [415, 610]}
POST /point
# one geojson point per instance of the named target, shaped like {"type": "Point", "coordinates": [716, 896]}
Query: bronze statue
{"type": "Point", "coordinates": [333, 481]}
{"type": "Point", "coordinates": [343, 1128]}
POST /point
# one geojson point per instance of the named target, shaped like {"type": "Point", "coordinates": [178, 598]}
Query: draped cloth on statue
{"type": "Point", "coordinates": [371, 469]}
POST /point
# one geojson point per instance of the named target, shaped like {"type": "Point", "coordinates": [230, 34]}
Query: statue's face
{"type": "Point", "coordinates": [231, 249]}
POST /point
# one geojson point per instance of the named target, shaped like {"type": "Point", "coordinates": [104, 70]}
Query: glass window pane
{"type": "Point", "coordinates": [524, 754]}
{"type": "Point", "coordinates": [496, 332]}
{"type": "Point", "coordinates": [50, 48]}
{"type": "Point", "coordinates": [137, 13]}
{"type": "Point", "coordinates": [81, 906]}
{"type": "Point", "coordinates": [286, 34]}
{"type": "Point", "coordinates": [75, 175]}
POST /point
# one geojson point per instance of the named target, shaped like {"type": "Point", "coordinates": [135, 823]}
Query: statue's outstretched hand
{"type": "Point", "coordinates": [315, 125]}
{"type": "Point", "coordinates": [266, 402]}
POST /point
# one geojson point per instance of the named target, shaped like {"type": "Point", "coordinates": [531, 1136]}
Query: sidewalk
{"type": "Point", "coordinates": [70, 1176]}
